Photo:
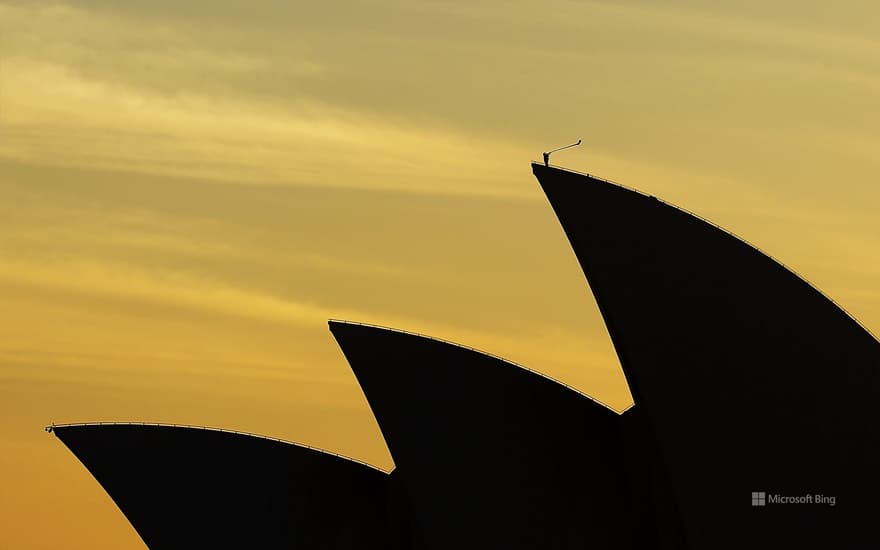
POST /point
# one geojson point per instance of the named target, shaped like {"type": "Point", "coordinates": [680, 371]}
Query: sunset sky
{"type": "Point", "coordinates": [189, 190]}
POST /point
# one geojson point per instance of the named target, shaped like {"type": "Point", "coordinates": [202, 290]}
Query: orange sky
{"type": "Point", "coordinates": [188, 192]}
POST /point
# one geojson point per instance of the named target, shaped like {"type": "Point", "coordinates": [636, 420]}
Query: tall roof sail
{"type": "Point", "coordinates": [491, 455]}
{"type": "Point", "coordinates": [753, 382]}
{"type": "Point", "coordinates": [185, 487]}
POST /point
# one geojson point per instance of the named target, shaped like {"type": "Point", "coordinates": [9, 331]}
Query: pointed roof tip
{"type": "Point", "coordinates": [335, 325]}
{"type": "Point", "coordinates": [341, 322]}
{"type": "Point", "coordinates": [540, 167]}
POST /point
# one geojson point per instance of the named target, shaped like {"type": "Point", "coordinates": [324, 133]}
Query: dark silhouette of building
{"type": "Point", "coordinates": [749, 378]}
{"type": "Point", "coordinates": [751, 388]}
{"type": "Point", "coordinates": [185, 487]}
{"type": "Point", "coordinates": [492, 455]}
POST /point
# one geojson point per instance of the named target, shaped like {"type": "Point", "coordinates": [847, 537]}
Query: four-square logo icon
{"type": "Point", "coordinates": [759, 498]}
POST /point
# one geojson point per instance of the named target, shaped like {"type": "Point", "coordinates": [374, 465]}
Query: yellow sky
{"type": "Point", "coordinates": [188, 193]}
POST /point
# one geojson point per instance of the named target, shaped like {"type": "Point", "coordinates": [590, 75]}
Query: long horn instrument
{"type": "Point", "coordinates": [578, 142]}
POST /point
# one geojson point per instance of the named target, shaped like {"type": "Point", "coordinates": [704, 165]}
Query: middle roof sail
{"type": "Point", "coordinates": [490, 454]}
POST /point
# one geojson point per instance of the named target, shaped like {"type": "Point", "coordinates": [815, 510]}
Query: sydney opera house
{"type": "Point", "coordinates": [752, 394]}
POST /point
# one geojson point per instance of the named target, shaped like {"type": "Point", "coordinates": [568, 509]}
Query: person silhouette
{"type": "Point", "coordinates": [548, 153]}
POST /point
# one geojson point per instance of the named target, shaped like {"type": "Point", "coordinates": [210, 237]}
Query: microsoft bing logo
{"type": "Point", "coordinates": [759, 498]}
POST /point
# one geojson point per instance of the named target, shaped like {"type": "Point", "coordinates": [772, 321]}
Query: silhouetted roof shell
{"type": "Point", "coordinates": [188, 487]}
{"type": "Point", "coordinates": [751, 379]}
{"type": "Point", "coordinates": [491, 455]}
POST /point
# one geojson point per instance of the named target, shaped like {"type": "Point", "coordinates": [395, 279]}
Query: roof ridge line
{"type": "Point", "coordinates": [492, 355]}
{"type": "Point", "coordinates": [727, 232]}
{"type": "Point", "coordinates": [53, 426]}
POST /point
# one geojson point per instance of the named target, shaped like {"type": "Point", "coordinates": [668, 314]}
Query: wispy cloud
{"type": "Point", "coordinates": [58, 109]}
{"type": "Point", "coordinates": [54, 116]}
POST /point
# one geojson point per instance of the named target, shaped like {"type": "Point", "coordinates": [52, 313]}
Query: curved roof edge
{"type": "Point", "coordinates": [54, 426]}
{"type": "Point", "coordinates": [536, 164]}
{"type": "Point", "coordinates": [481, 352]}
